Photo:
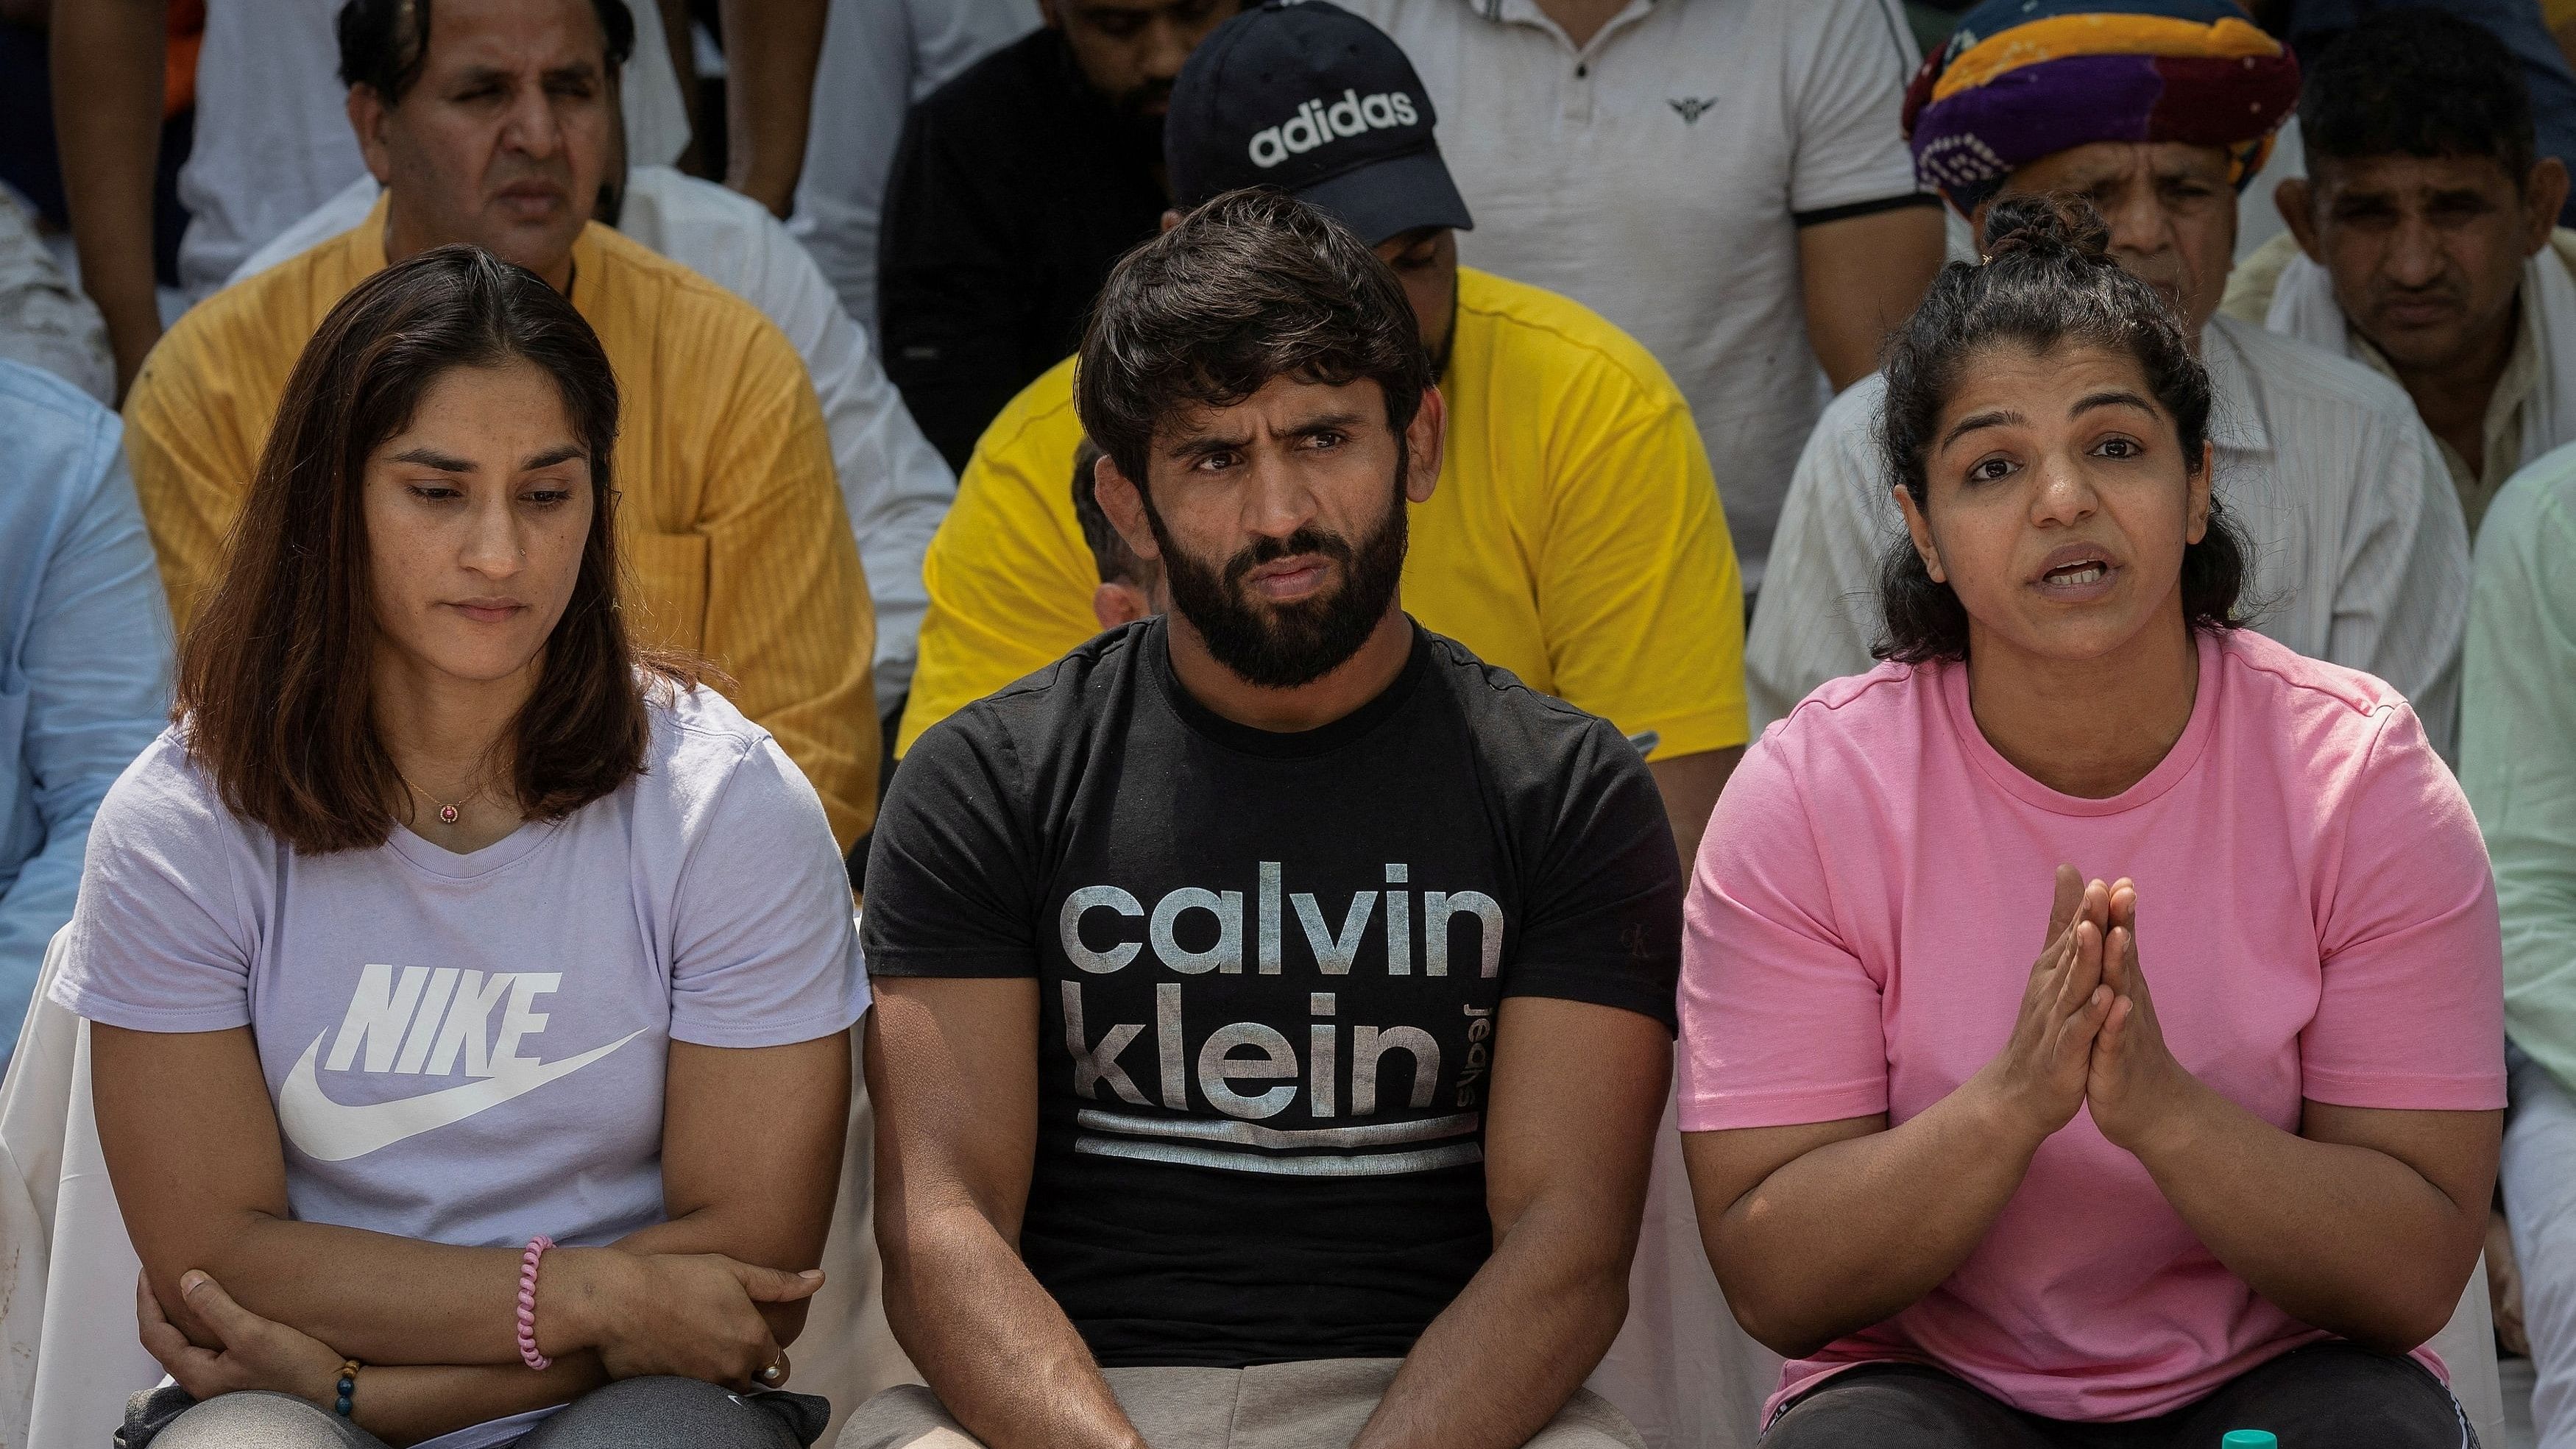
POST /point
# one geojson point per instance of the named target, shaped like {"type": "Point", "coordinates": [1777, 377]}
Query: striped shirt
{"type": "Point", "coordinates": [2360, 556]}
{"type": "Point", "coordinates": [729, 515]}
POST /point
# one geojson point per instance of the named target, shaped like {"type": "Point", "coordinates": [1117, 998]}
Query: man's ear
{"type": "Point", "coordinates": [1125, 504]}
{"type": "Point", "coordinates": [1426, 440]}
{"type": "Point", "coordinates": [368, 114]}
{"type": "Point", "coordinates": [2541, 199]}
{"type": "Point", "coordinates": [2292, 199]}
{"type": "Point", "coordinates": [1924, 547]}
{"type": "Point", "coordinates": [1120, 602]}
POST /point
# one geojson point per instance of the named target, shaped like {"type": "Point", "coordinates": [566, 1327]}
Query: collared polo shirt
{"type": "Point", "coordinates": [1659, 175]}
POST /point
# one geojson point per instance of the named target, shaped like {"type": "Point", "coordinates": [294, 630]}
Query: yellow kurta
{"type": "Point", "coordinates": [1575, 537]}
{"type": "Point", "coordinates": [730, 517]}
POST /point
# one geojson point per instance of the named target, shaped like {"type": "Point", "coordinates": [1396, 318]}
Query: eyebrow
{"type": "Point", "coordinates": [2111, 398]}
{"type": "Point", "coordinates": [1200, 444]}
{"type": "Point", "coordinates": [1993, 418]}
{"type": "Point", "coordinates": [443, 462]}
{"type": "Point", "coordinates": [561, 453]}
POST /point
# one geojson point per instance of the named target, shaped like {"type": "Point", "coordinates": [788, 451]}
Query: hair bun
{"type": "Point", "coordinates": [2061, 227]}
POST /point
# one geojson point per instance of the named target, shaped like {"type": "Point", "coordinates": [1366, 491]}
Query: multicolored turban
{"type": "Point", "coordinates": [2022, 79]}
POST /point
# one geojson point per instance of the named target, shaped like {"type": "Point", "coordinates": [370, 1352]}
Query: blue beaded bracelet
{"type": "Point", "coordinates": [348, 1388]}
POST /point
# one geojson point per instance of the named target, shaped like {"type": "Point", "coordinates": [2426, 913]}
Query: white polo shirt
{"type": "Point", "coordinates": [1659, 175]}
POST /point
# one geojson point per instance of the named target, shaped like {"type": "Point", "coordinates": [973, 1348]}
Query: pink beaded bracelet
{"type": "Point", "coordinates": [528, 1303]}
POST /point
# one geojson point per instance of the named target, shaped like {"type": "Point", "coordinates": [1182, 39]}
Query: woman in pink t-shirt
{"type": "Point", "coordinates": [1978, 1200]}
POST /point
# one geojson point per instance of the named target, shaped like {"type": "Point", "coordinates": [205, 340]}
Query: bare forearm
{"type": "Point", "coordinates": [2340, 1237]}
{"type": "Point", "coordinates": [372, 1296]}
{"type": "Point", "coordinates": [106, 57]}
{"type": "Point", "coordinates": [1856, 1231]}
{"type": "Point", "coordinates": [745, 1235]}
{"type": "Point", "coordinates": [407, 1405]}
{"type": "Point", "coordinates": [1499, 1362]}
{"type": "Point", "coordinates": [995, 1347]}
{"type": "Point", "coordinates": [1859, 277]}
{"type": "Point", "coordinates": [1690, 785]}
{"type": "Point", "coordinates": [771, 47]}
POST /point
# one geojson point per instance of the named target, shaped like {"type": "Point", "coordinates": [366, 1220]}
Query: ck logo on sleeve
{"type": "Point", "coordinates": [424, 1022]}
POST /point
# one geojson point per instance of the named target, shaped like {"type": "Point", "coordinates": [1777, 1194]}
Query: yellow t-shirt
{"type": "Point", "coordinates": [1574, 538]}
{"type": "Point", "coordinates": [730, 516]}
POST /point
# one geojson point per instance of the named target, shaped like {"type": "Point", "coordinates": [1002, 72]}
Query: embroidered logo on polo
{"type": "Point", "coordinates": [1320, 123]}
{"type": "Point", "coordinates": [1389, 1072]}
{"type": "Point", "coordinates": [424, 1021]}
{"type": "Point", "coordinates": [1691, 108]}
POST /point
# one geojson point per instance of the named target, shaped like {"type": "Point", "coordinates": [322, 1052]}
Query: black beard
{"type": "Point", "coordinates": [1289, 645]}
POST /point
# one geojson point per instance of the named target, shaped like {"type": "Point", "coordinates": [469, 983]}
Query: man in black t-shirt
{"type": "Point", "coordinates": [1015, 186]}
{"type": "Point", "coordinates": [1274, 1003]}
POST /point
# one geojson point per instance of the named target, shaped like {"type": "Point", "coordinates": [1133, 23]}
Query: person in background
{"type": "Point", "coordinates": [45, 321]}
{"type": "Point", "coordinates": [497, 129]}
{"type": "Point", "coordinates": [2220, 1157]}
{"type": "Point", "coordinates": [2421, 242]}
{"type": "Point", "coordinates": [1576, 538]}
{"type": "Point", "coordinates": [2360, 556]}
{"type": "Point", "coordinates": [268, 144]}
{"type": "Point", "coordinates": [1131, 586]}
{"type": "Point", "coordinates": [878, 59]}
{"type": "Point", "coordinates": [894, 487]}
{"type": "Point", "coordinates": [84, 656]}
{"type": "Point", "coordinates": [1379, 1194]}
{"type": "Point", "coordinates": [623, 937]}
{"type": "Point", "coordinates": [1015, 187]}
{"type": "Point", "coordinates": [2518, 765]}
{"type": "Point", "coordinates": [1724, 180]}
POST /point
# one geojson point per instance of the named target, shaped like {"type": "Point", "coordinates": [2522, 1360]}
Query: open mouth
{"type": "Point", "coordinates": [2077, 575]}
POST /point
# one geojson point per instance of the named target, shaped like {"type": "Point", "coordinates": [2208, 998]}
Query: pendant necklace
{"type": "Point", "coordinates": [446, 813]}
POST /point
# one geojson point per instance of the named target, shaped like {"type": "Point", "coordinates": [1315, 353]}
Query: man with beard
{"type": "Point", "coordinates": [1273, 1000]}
{"type": "Point", "coordinates": [2155, 111]}
{"type": "Point", "coordinates": [1576, 537]}
{"type": "Point", "coordinates": [1015, 187]}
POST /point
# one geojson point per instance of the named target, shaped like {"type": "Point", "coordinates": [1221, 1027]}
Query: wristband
{"type": "Point", "coordinates": [347, 1406]}
{"type": "Point", "coordinates": [528, 1303]}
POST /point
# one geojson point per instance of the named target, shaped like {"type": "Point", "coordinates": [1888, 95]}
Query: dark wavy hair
{"type": "Point", "coordinates": [384, 43]}
{"type": "Point", "coordinates": [2047, 278]}
{"type": "Point", "coordinates": [1252, 285]}
{"type": "Point", "coordinates": [2418, 82]}
{"type": "Point", "coordinates": [275, 675]}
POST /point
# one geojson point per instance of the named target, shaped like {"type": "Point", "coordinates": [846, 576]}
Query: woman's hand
{"type": "Point", "coordinates": [691, 1315]}
{"type": "Point", "coordinates": [2038, 1079]}
{"type": "Point", "coordinates": [255, 1354]}
{"type": "Point", "coordinates": [2136, 1087]}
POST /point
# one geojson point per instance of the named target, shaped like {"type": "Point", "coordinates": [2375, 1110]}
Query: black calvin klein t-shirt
{"type": "Point", "coordinates": [1269, 967]}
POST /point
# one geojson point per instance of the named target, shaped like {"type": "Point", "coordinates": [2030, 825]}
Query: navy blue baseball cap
{"type": "Point", "coordinates": [1305, 96]}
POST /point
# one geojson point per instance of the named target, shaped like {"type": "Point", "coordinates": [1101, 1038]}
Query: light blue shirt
{"type": "Point", "coordinates": [84, 654]}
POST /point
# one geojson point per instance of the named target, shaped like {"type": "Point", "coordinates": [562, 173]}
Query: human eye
{"type": "Point", "coordinates": [2119, 448]}
{"type": "Point", "coordinates": [435, 491]}
{"type": "Point", "coordinates": [1214, 462]}
{"type": "Point", "coordinates": [548, 495]}
{"type": "Point", "coordinates": [1990, 470]}
{"type": "Point", "coordinates": [1324, 440]}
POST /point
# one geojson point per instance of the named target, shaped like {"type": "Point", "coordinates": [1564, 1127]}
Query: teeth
{"type": "Point", "coordinates": [2082, 574]}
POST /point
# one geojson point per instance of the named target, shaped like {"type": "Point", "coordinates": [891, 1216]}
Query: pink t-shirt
{"type": "Point", "coordinates": [2317, 920]}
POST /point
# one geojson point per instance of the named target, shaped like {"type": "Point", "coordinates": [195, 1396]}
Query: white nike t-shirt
{"type": "Point", "coordinates": [470, 1048]}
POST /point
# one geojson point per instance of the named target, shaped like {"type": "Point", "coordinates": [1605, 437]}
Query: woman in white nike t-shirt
{"type": "Point", "coordinates": [447, 920]}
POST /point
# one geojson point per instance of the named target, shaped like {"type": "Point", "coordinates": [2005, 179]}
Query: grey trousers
{"type": "Point", "coordinates": [645, 1413]}
{"type": "Point", "coordinates": [1317, 1404]}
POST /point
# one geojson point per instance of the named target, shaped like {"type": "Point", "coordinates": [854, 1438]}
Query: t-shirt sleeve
{"type": "Point", "coordinates": [1638, 590]}
{"type": "Point", "coordinates": [2410, 1015]}
{"type": "Point", "coordinates": [763, 951]}
{"type": "Point", "coordinates": [1850, 61]}
{"type": "Point", "coordinates": [1781, 1021]}
{"type": "Point", "coordinates": [952, 878]}
{"type": "Point", "coordinates": [162, 938]}
{"type": "Point", "coordinates": [1603, 919]}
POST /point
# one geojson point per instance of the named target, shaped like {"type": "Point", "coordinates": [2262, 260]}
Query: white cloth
{"type": "Point", "coordinates": [2540, 1203]}
{"type": "Point", "coordinates": [2304, 307]}
{"type": "Point", "coordinates": [272, 130]}
{"type": "Point", "coordinates": [45, 321]}
{"type": "Point", "coordinates": [894, 485]}
{"type": "Point", "coordinates": [69, 1358]}
{"type": "Point", "coordinates": [2360, 556]}
{"type": "Point", "coordinates": [879, 57]}
{"type": "Point", "coordinates": [1659, 175]}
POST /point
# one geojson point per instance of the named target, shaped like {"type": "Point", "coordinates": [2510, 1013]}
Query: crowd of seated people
{"type": "Point", "coordinates": [1123, 599]}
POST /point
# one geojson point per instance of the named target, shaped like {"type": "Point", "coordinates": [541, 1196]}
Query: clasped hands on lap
{"type": "Point", "coordinates": [629, 1314]}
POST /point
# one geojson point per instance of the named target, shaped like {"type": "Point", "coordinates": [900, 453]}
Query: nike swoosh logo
{"type": "Point", "coordinates": [329, 1131]}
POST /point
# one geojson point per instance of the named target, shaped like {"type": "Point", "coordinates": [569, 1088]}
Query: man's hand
{"type": "Point", "coordinates": [255, 1353]}
{"type": "Point", "coordinates": [2135, 1085]}
{"type": "Point", "coordinates": [2039, 1078]}
{"type": "Point", "coordinates": [690, 1315]}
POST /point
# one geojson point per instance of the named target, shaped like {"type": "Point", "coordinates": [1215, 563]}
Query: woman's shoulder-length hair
{"type": "Point", "coordinates": [275, 698]}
